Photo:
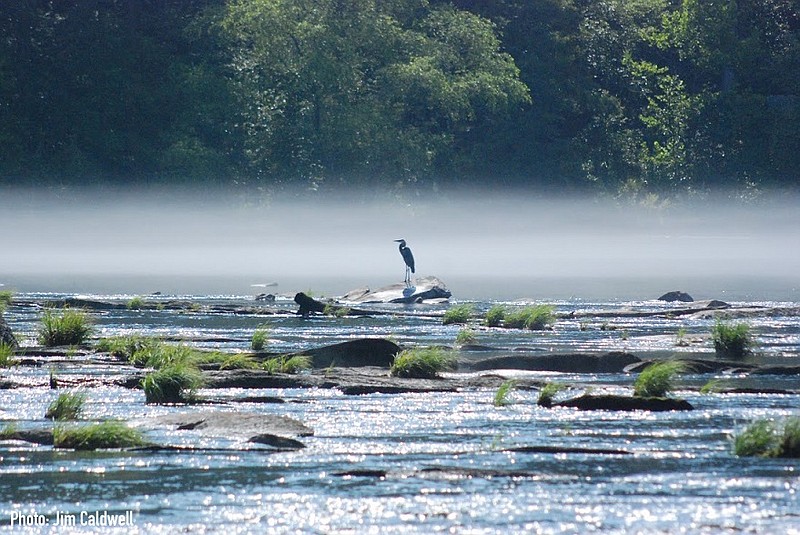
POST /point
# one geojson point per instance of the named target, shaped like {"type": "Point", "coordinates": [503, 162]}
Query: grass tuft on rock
{"type": "Point", "coordinates": [768, 438]}
{"type": "Point", "coordinates": [238, 361]}
{"type": "Point", "coordinates": [67, 406]}
{"type": "Point", "coordinates": [548, 392]}
{"type": "Point", "coordinates": [533, 318]}
{"type": "Point", "coordinates": [6, 298]}
{"type": "Point", "coordinates": [422, 363]}
{"type": "Point", "coordinates": [495, 316]}
{"type": "Point", "coordinates": [260, 337]}
{"type": "Point", "coordinates": [135, 303]}
{"type": "Point", "coordinates": [732, 341]}
{"type": "Point", "coordinates": [458, 314]}
{"type": "Point", "coordinates": [7, 355]}
{"type": "Point", "coordinates": [503, 392]}
{"type": "Point", "coordinates": [69, 328]}
{"type": "Point", "coordinates": [105, 435]}
{"type": "Point", "coordinates": [126, 347]}
{"type": "Point", "coordinates": [290, 365]}
{"type": "Point", "coordinates": [175, 383]}
{"type": "Point", "coordinates": [466, 336]}
{"type": "Point", "coordinates": [658, 379]}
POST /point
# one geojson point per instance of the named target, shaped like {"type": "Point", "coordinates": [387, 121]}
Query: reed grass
{"type": "Point", "coordinates": [466, 336]}
{"type": "Point", "coordinates": [290, 365]}
{"type": "Point", "coordinates": [260, 337]}
{"type": "Point", "coordinates": [6, 298]}
{"type": "Point", "coordinates": [533, 318]}
{"type": "Point", "coordinates": [105, 435]}
{"type": "Point", "coordinates": [495, 316]}
{"type": "Point", "coordinates": [7, 355]}
{"type": "Point", "coordinates": [69, 328]}
{"type": "Point", "coordinates": [548, 392]}
{"type": "Point", "coordinates": [732, 340]}
{"type": "Point", "coordinates": [458, 314]}
{"type": "Point", "coordinates": [67, 406]}
{"type": "Point", "coordinates": [657, 379]}
{"type": "Point", "coordinates": [422, 363]}
{"type": "Point", "coordinates": [501, 396]}
{"type": "Point", "coordinates": [175, 383]}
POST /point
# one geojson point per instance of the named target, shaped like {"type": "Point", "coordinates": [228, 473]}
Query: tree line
{"type": "Point", "coordinates": [633, 97]}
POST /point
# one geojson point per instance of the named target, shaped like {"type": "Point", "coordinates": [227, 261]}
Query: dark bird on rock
{"type": "Point", "coordinates": [408, 258]}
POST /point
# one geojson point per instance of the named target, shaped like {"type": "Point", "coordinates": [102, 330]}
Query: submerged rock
{"type": "Point", "coordinates": [424, 289]}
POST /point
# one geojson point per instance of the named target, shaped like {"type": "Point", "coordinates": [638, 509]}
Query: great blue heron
{"type": "Point", "coordinates": [408, 258]}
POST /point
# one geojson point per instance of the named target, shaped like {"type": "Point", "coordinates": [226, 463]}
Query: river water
{"type": "Point", "coordinates": [423, 462]}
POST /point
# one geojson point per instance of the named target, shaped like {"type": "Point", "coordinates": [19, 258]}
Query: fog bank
{"type": "Point", "coordinates": [482, 239]}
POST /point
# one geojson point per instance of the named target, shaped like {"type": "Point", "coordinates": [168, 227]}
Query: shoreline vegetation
{"type": "Point", "coordinates": [645, 100]}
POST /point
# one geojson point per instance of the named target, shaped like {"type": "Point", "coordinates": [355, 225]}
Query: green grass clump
{"type": "Point", "coordinates": [422, 363]}
{"type": "Point", "coordinates": [260, 338]}
{"type": "Point", "coordinates": [732, 340]}
{"type": "Point", "coordinates": [69, 328]}
{"type": "Point", "coordinates": [548, 392]}
{"type": "Point", "coordinates": [7, 355]}
{"type": "Point", "coordinates": [158, 355]}
{"type": "Point", "coordinates": [125, 347]}
{"type": "Point", "coordinates": [495, 316]}
{"type": "Point", "coordinates": [136, 303]}
{"type": "Point", "coordinates": [465, 337]}
{"type": "Point", "coordinates": [533, 318]}
{"type": "Point", "coordinates": [658, 379]}
{"type": "Point", "coordinates": [238, 361]}
{"type": "Point", "coordinates": [175, 383]}
{"type": "Point", "coordinates": [503, 391]}
{"type": "Point", "coordinates": [336, 311]}
{"type": "Point", "coordinates": [767, 438]}
{"type": "Point", "coordinates": [67, 406]}
{"type": "Point", "coordinates": [6, 298]}
{"type": "Point", "coordinates": [293, 364]}
{"type": "Point", "coordinates": [458, 314]}
{"type": "Point", "coordinates": [109, 434]}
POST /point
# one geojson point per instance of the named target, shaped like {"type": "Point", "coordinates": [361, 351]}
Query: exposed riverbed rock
{"type": "Point", "coordinates": [424, 289]}
{"type": "Point", "coordinates": [676, 295]}
{"type": "Point", "coordinates": [355, 353]}
{"type": "Point", "coordinates": [270, 429]}
{"type": "Point", "coordinates": [611, 402]}
{"type": "Point", "coordinates": [612, 362]}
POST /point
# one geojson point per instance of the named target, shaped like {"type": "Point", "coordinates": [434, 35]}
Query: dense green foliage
{"type": "Point", "coordinates": [637, 97]}
{"type": "Point", "coordinates": [458, 314]}
{"type": "Point", "coordinates": [534, 318]}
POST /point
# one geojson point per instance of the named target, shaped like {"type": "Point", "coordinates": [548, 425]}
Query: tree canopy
{"type": "Point", "coordinates": [634, 97]}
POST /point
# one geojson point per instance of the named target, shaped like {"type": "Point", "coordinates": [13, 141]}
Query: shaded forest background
{"type": "Point", "coordinates": [621, 97]}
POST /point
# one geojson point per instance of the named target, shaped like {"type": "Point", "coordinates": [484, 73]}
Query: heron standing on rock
{"type": "Point", "coordinates": [408, 258]}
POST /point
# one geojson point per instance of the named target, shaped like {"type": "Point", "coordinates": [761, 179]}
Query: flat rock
{"type": "Point", "coordinates": [424, 289]}
{"type": "Point", "coordinates": [612, 362]}
{"type": "Point", "coordinates": [236, 425]}
{"type": "Point", "coordinates": [625, 403]}
{"type": "Point", "coordinates": [355, 353]}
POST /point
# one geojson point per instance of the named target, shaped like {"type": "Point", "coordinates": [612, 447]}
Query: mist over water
{"type": "Point", "coordinates": [483, 246]}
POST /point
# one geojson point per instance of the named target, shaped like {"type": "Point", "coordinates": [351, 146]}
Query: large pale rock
{"type": "Point", "coordinates": [423, 289]}
{"type": "Point", "coordinates": [246, 426]}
